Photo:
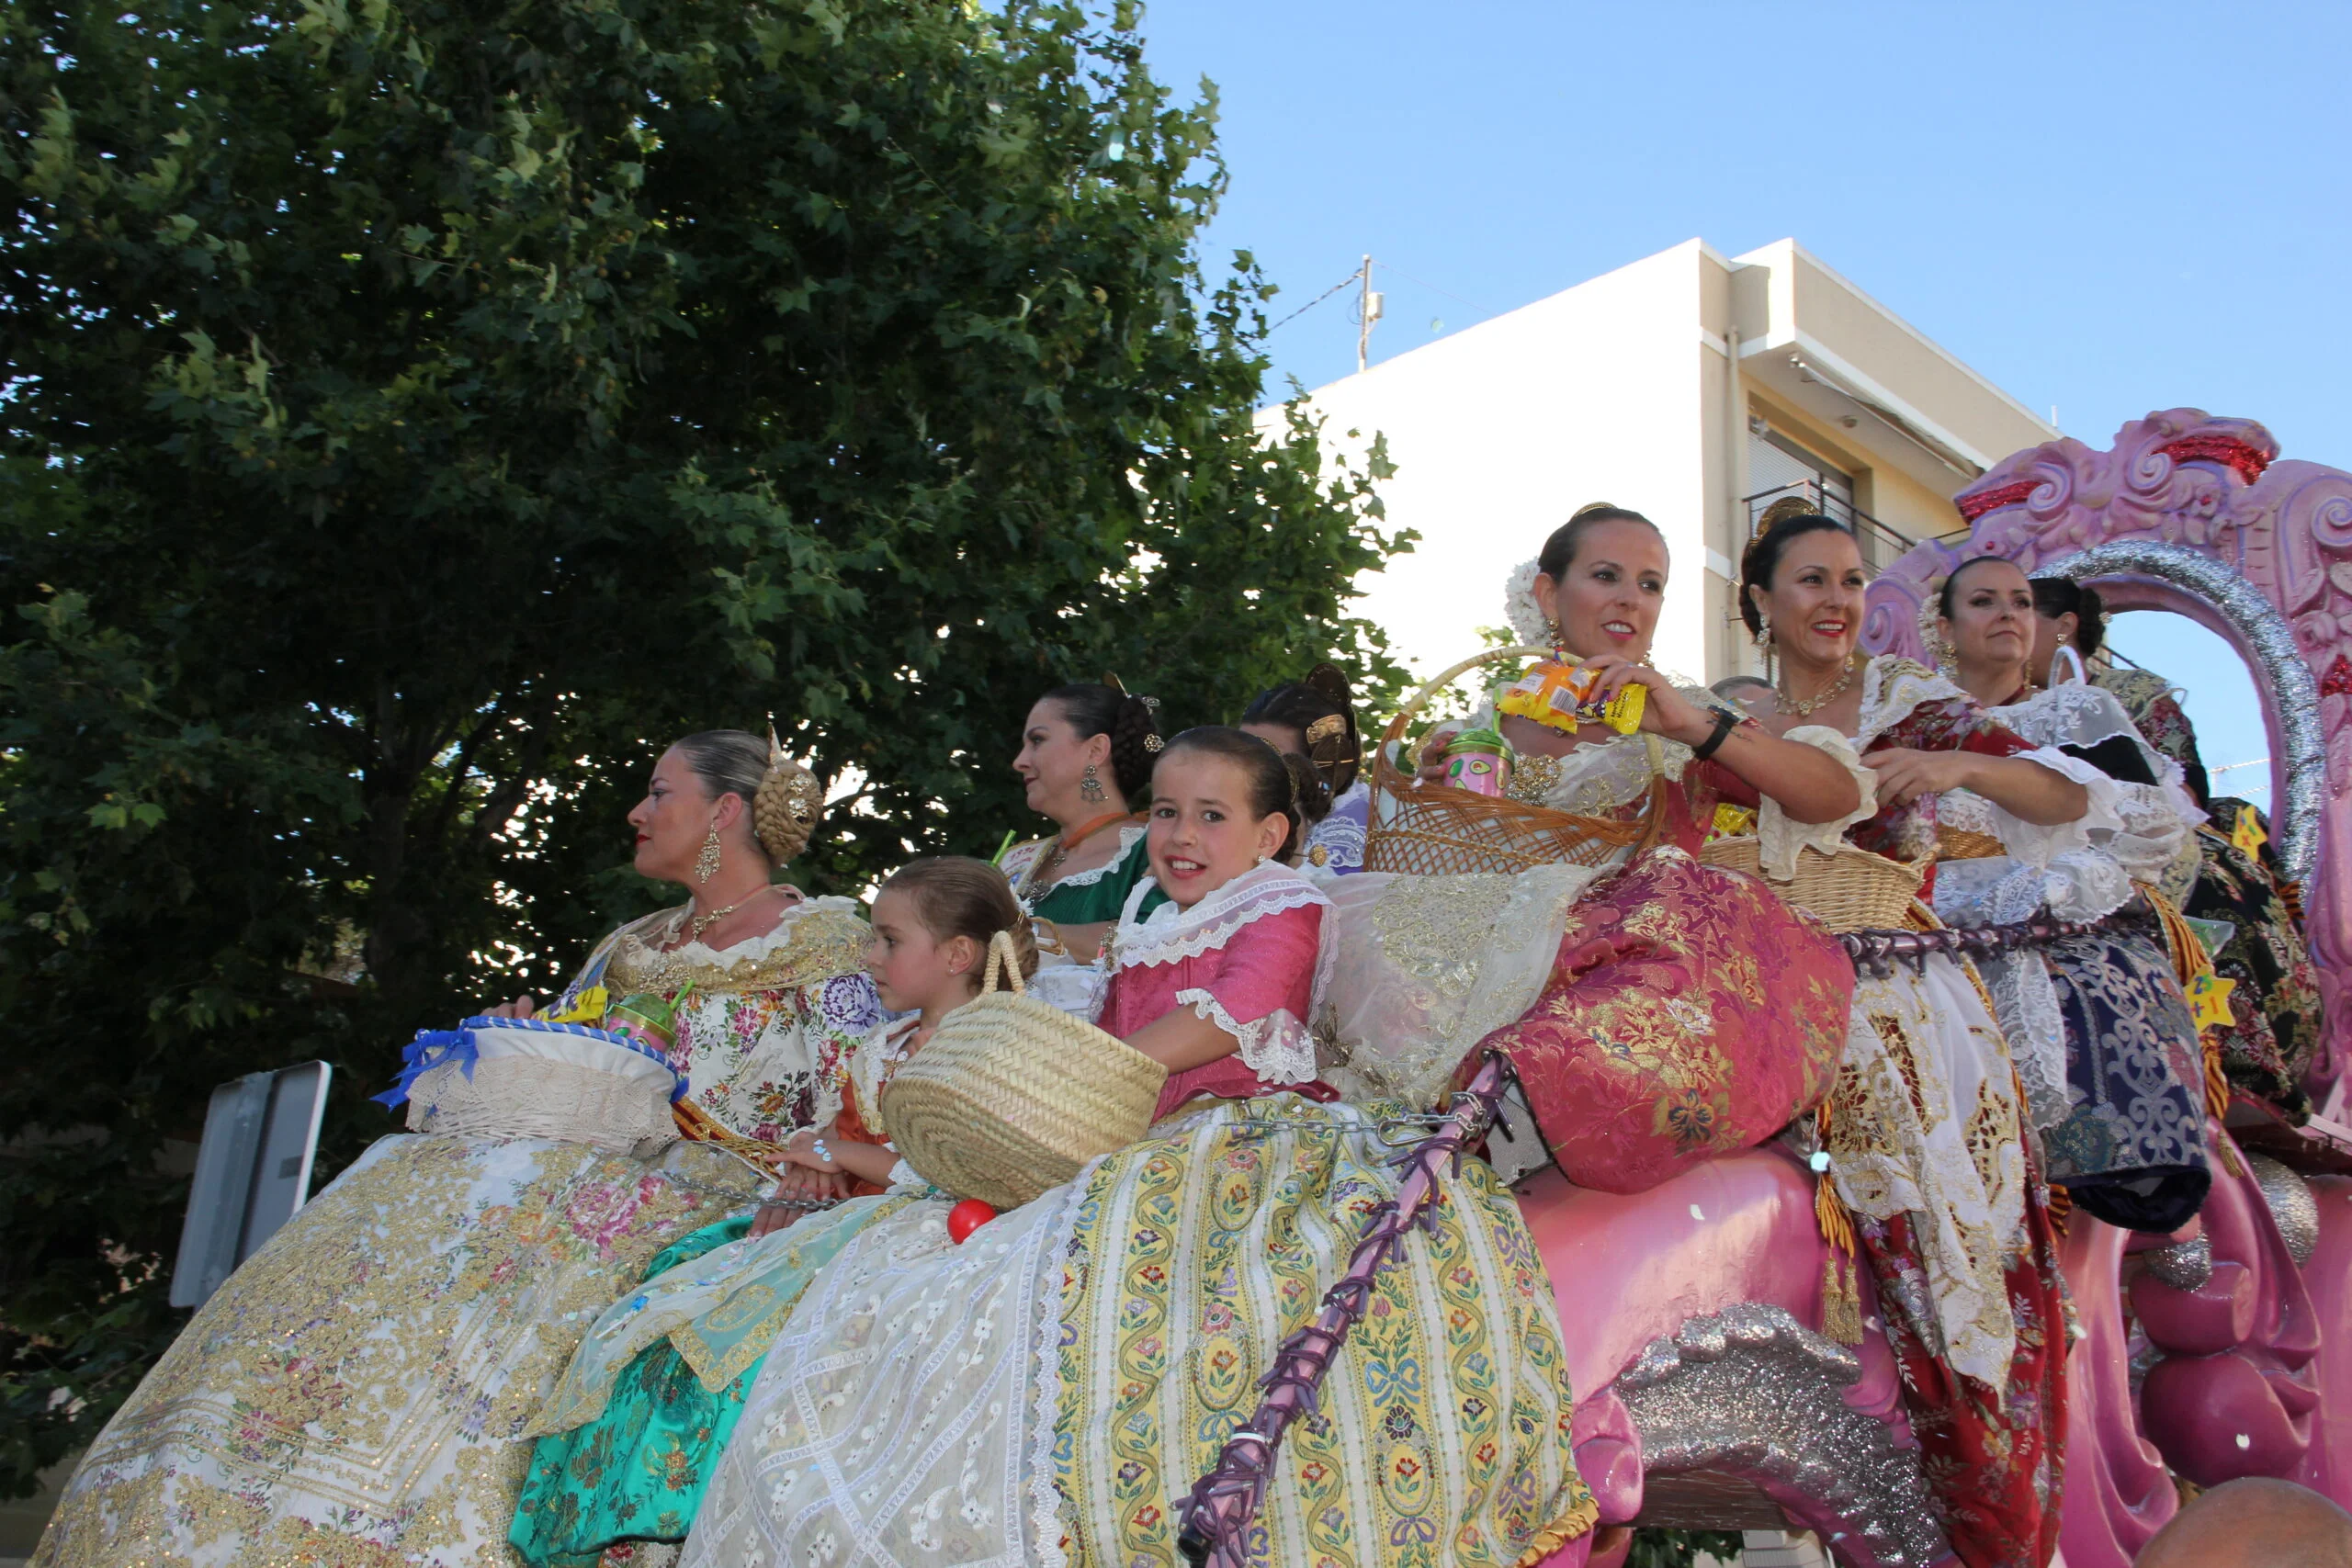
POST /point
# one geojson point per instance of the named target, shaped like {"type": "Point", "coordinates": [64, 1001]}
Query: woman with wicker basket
{"type": "Point", "coordinates": [2106, 1048]}
{"type": "Point", "coordinates": [360, 1388]}
{"type": "Point", "coordinates": [1566, 920]}
{"type": "Point", "coordinates": [648, 1402]}
{"type": "Point", "coordinates": [1925, 1130]}
{"type": "Point", "coordinates": [1050, 1389]}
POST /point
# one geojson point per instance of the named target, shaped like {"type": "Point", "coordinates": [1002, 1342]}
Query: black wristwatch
{"type": "Point", "coordinates": [1725, 722]}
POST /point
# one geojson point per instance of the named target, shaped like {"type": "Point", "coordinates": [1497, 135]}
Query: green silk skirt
{"type": "Point", "coordinates": [640, 1418]}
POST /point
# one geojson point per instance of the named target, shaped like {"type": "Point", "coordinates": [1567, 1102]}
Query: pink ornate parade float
{"type": "Point", "coordinates": [1708, 1395]}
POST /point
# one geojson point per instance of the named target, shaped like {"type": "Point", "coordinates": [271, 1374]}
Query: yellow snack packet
{"type": "Point", "coordinates": [1557, 697]}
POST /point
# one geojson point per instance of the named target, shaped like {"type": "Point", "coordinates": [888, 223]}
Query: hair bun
{"type": "Point", "coordinates": [789, 805]}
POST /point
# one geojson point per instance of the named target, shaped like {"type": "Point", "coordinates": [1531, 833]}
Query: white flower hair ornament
{"type": "Point", "coordinates": [1521, 611]}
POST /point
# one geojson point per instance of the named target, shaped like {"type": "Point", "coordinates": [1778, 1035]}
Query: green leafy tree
{"type": "Point", "coordinates": [417, 413]}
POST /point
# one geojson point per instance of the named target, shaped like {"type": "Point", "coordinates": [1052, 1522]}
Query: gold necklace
{"type": "Point", "coordinates": [697, 924]}
{"type": "Point", "coordinates": [1796, 709]}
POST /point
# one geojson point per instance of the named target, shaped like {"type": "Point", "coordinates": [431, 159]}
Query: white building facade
{"type": "Point", "coordinates": [1691, 387]}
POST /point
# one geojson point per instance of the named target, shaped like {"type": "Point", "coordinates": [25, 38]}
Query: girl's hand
{"type": "Point", "coordinates": [1665, 712]}
{"type": "Point", "coordinates": [805, 1149]}
{"type": "Point", "coordinates": [1904, 776]}
{"type": "Point", "coordinates": [521, 1006]}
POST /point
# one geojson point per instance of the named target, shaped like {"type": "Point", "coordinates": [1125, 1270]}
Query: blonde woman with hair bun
{"type": "Point", "coordinates": [366, 1386]}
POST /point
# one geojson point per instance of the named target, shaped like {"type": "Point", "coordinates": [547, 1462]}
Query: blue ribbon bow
{"type": "Point", "coordinates": [430, 1049]}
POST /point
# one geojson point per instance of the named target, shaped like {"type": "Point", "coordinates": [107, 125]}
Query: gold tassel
{"type": "Point", "coordinates": [2060, 1208]}
{"type": "Point", "coordinates": [1841, 1305]}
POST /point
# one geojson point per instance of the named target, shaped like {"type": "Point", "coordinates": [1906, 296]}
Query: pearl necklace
{"type": "Point", "coordinates": [1796, 709]}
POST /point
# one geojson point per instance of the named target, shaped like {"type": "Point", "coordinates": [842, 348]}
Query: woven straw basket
{"type": "Point", "coordinates": [1851, 891]}
{"type": "Point", "coordinates": [1011, 1097]}
{"type": "Point", "coordinates": [1435, 830]}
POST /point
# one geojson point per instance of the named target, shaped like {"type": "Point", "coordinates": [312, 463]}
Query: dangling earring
{"type": "Point", "coordinates": [1763, 631]}
{"type": "Point", "coordinates": [1948, 657]}
{"type": "Point", "coordinates": [1552, 631]}
{"type": "Point", "coordinates": [706, 862]}
{"type": "Point", "coordinates": [1089, 788]}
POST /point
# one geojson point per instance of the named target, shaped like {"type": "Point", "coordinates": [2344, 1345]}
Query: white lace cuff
{"type": "Point", "coordinates": [1779, 837]}
{"type": "Point", "coordinates": [1277, 1047]}
{"type": "Point", "coordinates": [904, 1174]}
{"type": "Point", "coordinates": [2031, 842]}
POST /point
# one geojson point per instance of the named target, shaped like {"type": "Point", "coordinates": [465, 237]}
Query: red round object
{"type": "Point", "coordinates": [966, 1217]}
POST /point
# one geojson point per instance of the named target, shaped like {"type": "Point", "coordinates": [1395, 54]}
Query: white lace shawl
{"type": "Point", "coordinates": [1894, 686]}
{"type": "Point", "coordinates": [1279, 1047]}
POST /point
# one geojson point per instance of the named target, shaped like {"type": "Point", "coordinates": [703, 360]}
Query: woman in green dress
{"type": "Point", "coordinates": [1086, 753]}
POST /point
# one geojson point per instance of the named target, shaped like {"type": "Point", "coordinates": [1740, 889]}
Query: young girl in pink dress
{"type": "Point", "coordinates": [1049, 1389]}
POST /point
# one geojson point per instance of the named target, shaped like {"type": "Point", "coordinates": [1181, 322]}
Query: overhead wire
{"type": "Point", "coordinates": [1294, 315]}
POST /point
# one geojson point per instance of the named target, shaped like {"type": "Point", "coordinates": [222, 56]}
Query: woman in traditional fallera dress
{"type": "Point", "coordinates": [357, 1392]}
{"type": "Point", "coordinates": [1048, 1391]}
{"type": "Point", "coordinates": [1430, 964]}
{"type": "Point", "coordinates": [1316, 718]}
{"type": "Point", "coordinates": [651, 1398]}
{"type": "Point", "coordinates": [2105, 1046]}
{"type": "Point", "coordinates": [1925, 1128]}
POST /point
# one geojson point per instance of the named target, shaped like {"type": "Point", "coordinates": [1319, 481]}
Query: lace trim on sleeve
{"type": "Point", "coordinates": [1779, 837]}
{"type": "Point", "coordinates": [1276, 1047]}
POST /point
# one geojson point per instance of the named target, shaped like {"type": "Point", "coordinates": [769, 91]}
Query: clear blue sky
{"type": "Point", "coordinates": [2103, 207]}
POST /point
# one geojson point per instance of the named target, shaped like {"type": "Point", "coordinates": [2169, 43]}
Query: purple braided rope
{"type": "Point", "coordinates": [1217, 1514]}
{"type": "Point", "coordinates": [1876, 953]}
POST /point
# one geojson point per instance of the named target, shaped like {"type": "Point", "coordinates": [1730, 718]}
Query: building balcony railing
{"type": "Point", "coordinates": [1882, 545]}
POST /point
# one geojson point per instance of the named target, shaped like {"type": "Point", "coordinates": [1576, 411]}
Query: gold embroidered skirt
{"type": "Point", "coordinates": [355, 1394]}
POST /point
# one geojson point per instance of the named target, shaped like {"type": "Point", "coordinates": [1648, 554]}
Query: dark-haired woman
{"type": "Point", "coordinates": [1316, 718]}
{"type": "Point", "coordinates": [1050, 1389]}
{"type": "Point", "coordinates": [2272, 1032]}
{"type": "Point", "coordinates": [2105, 1051]}
{"type": "Point", "coordinates": [359, 1390]}
{"type": "Point", "coordinates": [1086, 754]}
{"type": "Point", "coordinates": [2070, 620]}
{"type": "Point", "coordinates": [1926, 1133]}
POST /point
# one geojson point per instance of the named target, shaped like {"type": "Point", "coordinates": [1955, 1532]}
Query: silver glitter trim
{"type": "Point", "coordinates": [1751, 1390]}
{"type": "Point", "coordinates": [2292, 1208]}
{"type": "Point", "coordinates": [2185, 1264]}
{"type": "Point", "coordinates": [2293, 690]}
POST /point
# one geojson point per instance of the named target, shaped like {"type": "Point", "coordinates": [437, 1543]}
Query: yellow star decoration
{"type": "Point", "coordinates": [2249, 835]}
{"type": "Point", "coordinates": [2208, 1000]}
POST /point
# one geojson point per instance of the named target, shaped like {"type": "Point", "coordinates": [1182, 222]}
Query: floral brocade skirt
{"type": "Point", "coordinates": [1049, 1391]}
{"type": "Point", "coordinates": [355, 1394]}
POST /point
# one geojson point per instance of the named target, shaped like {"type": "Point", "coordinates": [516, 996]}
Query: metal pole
{"type": "Point", "coordinates": [1364, 316]}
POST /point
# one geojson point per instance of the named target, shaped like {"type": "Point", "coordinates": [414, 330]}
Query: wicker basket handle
{"type": "Point", "coordinates": [1000, 950]}
{"type": "Point", "coordinates": [1431, 687]}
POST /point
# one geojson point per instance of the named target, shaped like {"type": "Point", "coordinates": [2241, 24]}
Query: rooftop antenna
{"type": "Point", "coordinates": [1367, 312]}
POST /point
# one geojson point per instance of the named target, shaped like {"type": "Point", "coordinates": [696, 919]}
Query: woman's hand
{"type": "Point", "coordinates": [521, 1006]}
{"type": "Point", "coordinates": [1904, 776]}
{"type": "Point", "coordinates": [1432, 768]}
{"type": "Point", "coordinates": [796, 1186]}
{"type": "Point", "coordinates": [1665, 712]}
